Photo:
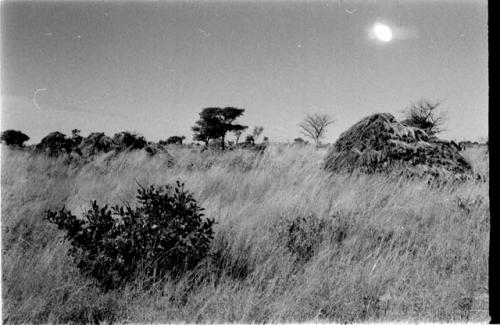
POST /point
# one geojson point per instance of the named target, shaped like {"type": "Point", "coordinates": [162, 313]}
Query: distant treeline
{"type": "Point", "coordinates": [211, 129]}
{"type": "Point", "coordinates": [57, 143]}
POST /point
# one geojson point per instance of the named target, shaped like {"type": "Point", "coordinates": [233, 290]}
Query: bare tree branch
{"type": "Point", "coordinates": [314, 126]}
{"type": "Point", "coordinates": [424, 116]}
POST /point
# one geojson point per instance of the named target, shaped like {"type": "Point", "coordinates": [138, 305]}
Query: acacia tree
{"type": "Point", "coordinates": [314, 126]}
{"type": "Point", "coordinates": [215, 122]}
{"type": "Point", "coordinates": [423, 115]}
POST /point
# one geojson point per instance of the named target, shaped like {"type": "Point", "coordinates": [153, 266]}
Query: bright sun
{"type": "Point", "coordinates": [382, 32]}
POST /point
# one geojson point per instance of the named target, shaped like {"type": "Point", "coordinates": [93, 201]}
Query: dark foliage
{"type": "Point", "coordinates": [55, 144]}
{"type": "Point", "coordinates": [299, 141]}
{"type": "Point", "coordinates": [215, 122]}
{"type": "Point", "coordinates": [14, 138]}
{"type": "Point", "coordinates": [165, 234]}
{"type": "Point", "coordinates": [129, 141]}
{"type": "Point", "coordinates": [173, 140]}
{"type": "Point", "coordinates": [249, 139]}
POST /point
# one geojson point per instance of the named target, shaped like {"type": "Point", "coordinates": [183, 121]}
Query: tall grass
{"type": "Point", "coordinates": [399, 249]}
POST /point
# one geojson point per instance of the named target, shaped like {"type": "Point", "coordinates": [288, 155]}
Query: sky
{"type": "Point", "coordinates": [150, 67]}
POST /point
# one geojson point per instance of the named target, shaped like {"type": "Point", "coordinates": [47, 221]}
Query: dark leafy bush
{"type": "Point", "coordinates": [173, 140]}
{"type": "Point", "coordinates": [299, 141]}
{"type": "Point", "coordinates": [55, 144]}
{"type": "Point", "coordinates": [126, 140]}
{"type": "Point", "coordinates": [164, 234]}
{"type": "Point", "coordinates": [249, 139]}
{"type": "Point", "coordinates": [13, 138]}
{"type": "Point", "coordinates": [77, 140]}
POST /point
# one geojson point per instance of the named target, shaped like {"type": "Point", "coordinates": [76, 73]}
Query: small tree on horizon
{"type": "Point", "coordinates": [76, 138]}
{"type": "Point", "coordinates": [239, 133]}
{"type": "Point", "coordinates": [257, 132]}
{"type": "Point", "coordinates": [249, 139]}
{"type": "Point", "coordinates": [215, 122]}
{"type": "Point", "coordinates": [423, 115]}
{"type": "Point", "coordinates": [75, 133]}
{"type": "Point", "coordinates": [299, 140]}
{"type": "Point", "coordinates": [314, 126]}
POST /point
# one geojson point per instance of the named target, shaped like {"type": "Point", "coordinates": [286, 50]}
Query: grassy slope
{"type": "Point", "coordinates": [409, 251]}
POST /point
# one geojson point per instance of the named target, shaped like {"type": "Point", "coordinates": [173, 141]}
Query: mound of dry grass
{"type": "Point", "coordinates": [380, 143]}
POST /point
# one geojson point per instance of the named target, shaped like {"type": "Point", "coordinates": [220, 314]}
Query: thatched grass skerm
{"type": "Point", "coordinates": [380, 143]}
{"type": "Point", "coordinates": [165, 234]}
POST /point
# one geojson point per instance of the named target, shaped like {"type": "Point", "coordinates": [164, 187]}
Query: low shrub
{"type": "Point", "coordinates": [13, 138]}
{"type": "Point", "coordinates": [165, 234]}
{"type": "Point", "coordinates": [55, 144]}
{"type": "Point", "coordinates": [128, 141]}
{"type": "Point", "coordinates": [303, 236]}
{"type": "Point", "coordinates": [173, 140]}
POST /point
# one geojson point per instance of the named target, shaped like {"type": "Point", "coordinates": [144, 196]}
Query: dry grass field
{"type": "Point", "coordinates": [393, 249]}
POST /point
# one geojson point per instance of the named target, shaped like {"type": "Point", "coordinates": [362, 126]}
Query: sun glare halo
{"type": "Point", "coordinates": [382, 32]}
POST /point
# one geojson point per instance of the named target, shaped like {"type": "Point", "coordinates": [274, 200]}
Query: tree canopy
{"type": "Point", "coordinates": [215, 122]}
